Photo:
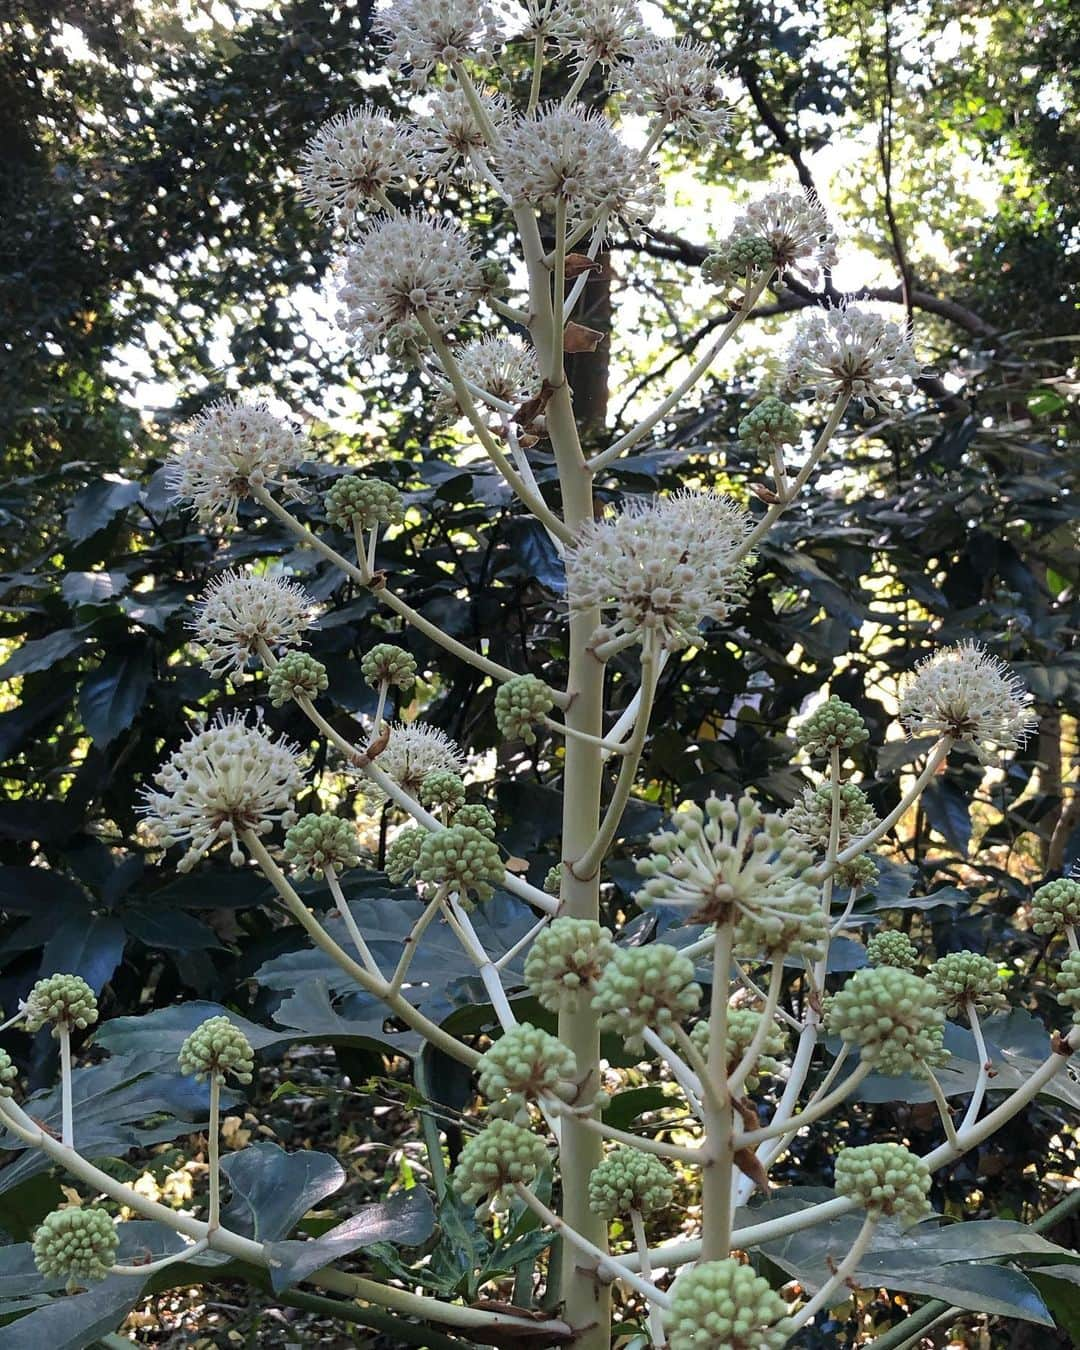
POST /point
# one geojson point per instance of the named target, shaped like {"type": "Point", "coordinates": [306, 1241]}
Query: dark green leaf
{"type": "Point", "coordinates": [113, 694]}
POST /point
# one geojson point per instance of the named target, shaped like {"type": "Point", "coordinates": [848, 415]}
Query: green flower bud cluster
{"type": "Point", "coordinates": [565, 962]}
{"type": "Point", "coordinates": [1056, 906]}
{"type": "Point", "coordinates": [65, 1000]}
{"type": "Point", "coordinates": [887, 1179]}
{"type": "Point", "coordinates": [477, 817]}
{"type": "Point", "coordinates": [965, 977]}
{"type": "Point", "coordinates": [76, 1244]}
{"type": "Point", "coordinates": [463, 858]}
{"type": "Point", "coordinates": [217, 1047]}
{"type": "Point", "coordinates": [363, 502]}
{"type": "Point", "coordinates": [860, 873]}
{"type": "Point", "coordinates": [643, 987]}
{"type": "Point", "coordinates": [319, 841]}
{"type": "Point", "coordinates": [386, 663]}
{"type": "Point", "coordinates": [405, 340]}
{"type": "Point", "coordinates": [834, 724]}
{"type": "Point", "coordinates": [742, 1025]}
{"type": "Point", "coordinates": [894, 1018]}
{"type": "Point", "coordinates": [810, 818]}
{"type": "Point", "coordinates": [403, 852]}
{"type": "Point", "coordinates": [892, 948]}
{"type": "Point", "coordinates": [796, 927]}
{"type": "Point", "coordinates": [523, 1063]}
{"type": "Point", "coordinates": [628, 1179]}
{"type": "Point", "coordinates": [736, 260]}
{"type": "Point", "coordinates": [8, 1074]}
{"type": "Point", "coordinates": [297, 675]}
{"type": "Point", "coordinates": [770, 426]}
{"type": "Point", "coordinates": [723, 1305]}
{"type": "Point", "coordinates": [442, 787]}
{"type": "Point", "coordinates": [495, 277]}
{"type": "Point", "coordinates": [1068, 981]}
{"type": "Point", "coordinates": [519, 703]}
{"type": "Point", "coordinates": [495, 1159]}
{"type": "Point", "coordinates": [553, 880]}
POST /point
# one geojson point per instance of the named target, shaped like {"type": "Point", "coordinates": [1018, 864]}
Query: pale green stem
{"type": "Point", "coordinates": [625, 722]}
{"type": "Point", "coordinates": [839, 1277]}
{"type": "Point", "coordinates": [561, 729]}
{"type": "Point", "coordinates": [719, 1148]}
{"type": "Point", "coordinates": [13, 1019]}
{"type": "Point", "coordinates": [580, 282]}
{"type": "Point", "coordinates": [579, 82]}
{"type": "Point", "coordinates": [1070, 934]}
{"type": "Point", "coordinates": [490, 976]}
{"type": "Point", "coordinates": [380, 708]}
{"type": "Point", "coordinates": [942, 1103]}
{"type": "Point", "coordinates": [833, 847]}
{"type": "Point", "coordinates": [830, 1077]}
{"type": "Point", "coordinates": [765, 1025]}
{"type": "Point", "coordinates": [213, 1136]}
{"type": "Point", "coordinates": [688, 1080]}
{"type": "Point", "coordinates": [67, 1126]}
{"type": "Point", "coordinates": [537, 74]}
{"type": "Point", "coordinates": [361, 946]}
{"type": "Point", "coordinates": [511, 312]}
{"type": "Point", "coordinates": [151, 1267]}
{"type": "Point", "coordinates": [672, 400]}
{"type": "Point", "coordinates": [936, 758]}
{"type": "Point", "coordinates": [748, 982]}
{"type": "Point", "coordinates": [660, 1147]}
{"type": "Point", "coordinates": [979, 1092]}
{"type": "Point", "coordinates": [657, 1335]}
{"type": "Point", "coordinates": [820, 1108]}
{"type": "Point", "coordinates": [412, 940]}
{"type": "Point", "coordinates": [522, 943]}
{"type": "Point", "coordinates": [842, 920]}
{"type": "Point", "coordinates": [487, 126]}
{"type": "Point", "coordinates": [555, 367]}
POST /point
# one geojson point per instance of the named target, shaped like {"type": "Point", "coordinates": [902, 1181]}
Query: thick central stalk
{"type": "Point", "coordinates": [716, 1174]}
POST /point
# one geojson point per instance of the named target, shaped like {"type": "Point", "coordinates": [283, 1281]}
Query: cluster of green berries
{"type": "Point", "coordinates": [76, 1244]}
{"type": "Point", "coordinates": [810, 818]}
{"type": "Point", "coordinates": [642, 987]}
{"type": "Point", "coordinates": [216, 1048]}
{"type": "Point", "coordinates": [628, 1179]}
{"type": "Point", "coordinates": [319, 841]}
{"type": "Point", "coordinates": [66, 1001]}
{"type": "Point", "coordinates": [8, 1074]}
{"type": "Point", "coordinates": [1056, 906]}
{"type": "Point", "coordinates": [566, 960]}
{"type": "Point", "coordinates": [363, 502]}
{"type": "Point", "coordinates": [742, 1026]}
{"type": "Point", "coordinates": [524, 1063]}
{"type": "Point", "coordinates": [477, 817]}
{"type": "Point", "coordinates": [387, 664]}
{"type": "Point", "coordinates": [893, 1017]}
{"type": "Point", "coordinates": [736, 260]}
{"type": "Point", "coordinates": [519, 703]}
{"type": "Point", "coordinates": [297, 675]}
{"type": "Point", "coordinates": [723, 1305]}
{"type": "Point", "coordinates": [770, 426]}
{"type": "Point", "coordinates": [965, 977]}
{"type": "Point", "coordinates": [892, 948]}
{"type": "Point", "coordinates": [403, 852]}
{"type": "Point", "coordinates": [442, 789]}
{"type": "Point", "coordinates": [1068, 982]}
{"type": "Point", "coordinates": [834, 725]}
{"type": "Point", "coordinates": [886, 1179]}
{"type": "Point", "coordinates": [497, 1158]}
{"type": "Point", "coordinates": [463, 858]}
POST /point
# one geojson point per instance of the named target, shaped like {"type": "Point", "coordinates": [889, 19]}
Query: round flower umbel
{"type": "Point", "coordinates": [413, 751]}
{"type": "Point", "coordinates": [679, 82]}
{"type": "Point", "coordinates": [833, 725]}
{"type": "Point", "coordinates": [387, 664]}
{"type": "Point", "coordinates": [316, 842]}
{"type": "Point", "coordinates": [66, 1001]}
{"type": "Point", "coordinates": [738, 262]}
{"type": "Point", "coordinates": [894, 1018]}
{"type": "Point", "coordinates": [644, 987]}
{"type": "Point", "coordinates": [354, 503]}
{"type": "Point", "coordinates": [566, 960]}
{"type": "Point", "coordinates": [596, 32]}
{"type": "Point", "coordinates": [493, 1161]}
{"type": "Point", "coordinates": [627, 1180]}
{"type": "Point", "coordinates": [296, 675]}
{"type": "Point", "coordinates": [888, 1180]}
{"type": "Point", "coordinates": [553, 879]}
{"type": "Point", "coordinates": [723, 1305]}
{"type": "Point", "coordinates": [742, 1026]}
{"type": "Point", "coordinates": [422, 34]}
{"type": "Point", "coordinates": [810, 819]}
{"type": "Point", "coordinates": [796, 230]}
{"type": "Point", "coordinates": [571, 157]}
{"type": "Point", "coordinates": [229, 449]}
{"type": "Point", "coordinates": [965, 693]}
{"type": "Point", "coordinates": [476, 815]}
{"type": "Point", "coordinates": [352, 160]}
{"type": "Point", "coordinates": [442, 789]}
{"type": "Point", "coordinates": [216, 1048]}
{"type": "Point", "coordinates": [519, 703]}
{"type": "Point", "coordinates": [463, 859]}
{"type": "Point", "coordinates": [1055, 907]}
{"type": "Point", "coordinates": [406, 267]}
{"type": "Point", "coordinates": [504, 367]}
{"type": "Point", "coordinates": [663, 566]}
{"type": "Point", "coordinates": [962, 978]}
{"type": "Point", "coordinates": [892, 948]}
{"type": "Point", "coordinates": [239, 611]}
{"type": "Point", "coordinates": [76, 1245]}
{"type": "Point", "coordinates": [454, 141]}
{"type": "Point", "coordinates": [1067, 981]}
{"type": "Point", "coordinates": [523, 1064]}
{"type": "Point", "coordinates": [224, 779]}
{"type": "Point", "coordinates": [770, 426]}
{"type": "Point", "coordinates": [851, 352]}
{"type": "Point", "coordinates": [403, 852]}
{"type": "Point", "coordinates": [8, 1074]}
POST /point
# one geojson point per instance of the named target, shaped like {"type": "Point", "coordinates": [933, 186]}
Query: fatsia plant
{"type": "Point", "coordinates": [750, 902]}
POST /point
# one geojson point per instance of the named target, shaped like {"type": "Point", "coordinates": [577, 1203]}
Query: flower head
{"type": "Point", "coordinates": [387, 663]}
{"type": "Point", "coordinates": [66, 1001]}
{"type": "Point", "coordinates": [810, 818]}
{"type": "Point", "coordinates": [742, 1027]}
{"type": "Point", "coordinates": [566, 960]}
{"type": "Point", "coordinates": [8, 1074]}
{"type": "Point", "coordinates": [525, 1063]}
{"type": "Point", "coordinates": [770, 425]}
{"type": "Point", "coordinates": [216, 1048]}
{"type": "Point", "coordinates": [1067, 982]}
{"type": "Point", "coordinates": [454, 141]}
{"type": "Point", "coordinates": [316, 842]}
{"type": "Point", "coordinates": [361, 503]}
{"type": "Point", "coordinates": [663, 566]}
{"type": "Point", "coordinates": [893, 1016]}
{"type": "Point", "coordinates": [965, 693]}
{"type": "Point", "coordinates": [76, 1244]}
{"type": "Point", "coordinates": [627, 1180]}
{"type": "Point", "coordinates": [1055, 907]}
{"type": "Point", "coordinates": [886, 1179]}
{"type": "Point", "coordinates": [833, 725]}
{"type": "Point", "coordinates": [353, 159]}
{"type": "Point", "coordinates": [519, 704]}
{"type": "Point", "coordinates": [796, 229]}
{"type": "Point", "coordinates": [572, 156]}
{"type": "Point", "coordinates": [403, 853]}
{"type": "Point", "coordinates": [725, 1304]}
{"type": "Point", "coordinates": [224, 779]}
{"type": "Point", "coordinates": [241, 612]}
{"type": "Point", "coordinates": [422, 34]}
{"type": "Point", "coordinates": [595, 32]}
{"type": "Point", "coordinates": [891, 947]}
{"type": "Point", "coordinates": [651, 986]}
{"type": "Point", "coordinates": [229, 449]}
{"type": "Point", "coordinates": [462, 858]}
{"type": "Point", "coordinates": [679, 81]}
{"type": "Point", "coordinates": [496, 1159]}
{"type": "Point", "coordinates": [965, 978]}
{"type": "Point", "coordinates": [414, 750]}
{"type": "Point", "coordinates": [503, 366]}
{"type": "Point", "coordinates": [850, 352]}
{"type": "Point", "coordinates": [297, 675]}
{"type": "Point", "coordinates": [403, 267]}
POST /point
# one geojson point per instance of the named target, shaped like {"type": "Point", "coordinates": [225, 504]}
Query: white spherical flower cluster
{"type": "Point", "coordinates": [414, 750]}
{"type": "Point", "coordinates": [796, 229]}
{"type": "Point", "coordinates": [572, 156]}
{"type": "Point", "coordinates": [851, 352]}
{"type": "Point", "coordinates": [678, 81]}
{"type": "Point", "coordinates": [239, 611]}
{"type": "Point", "coordinates": [224, 779]}
{"type": "Point", "coordinates": [227, 450]}
{"type": "Point", "coordinates": [404, 266]}
{"type": "Point", "coordinates": [454, 141]}
{"type": "Point", "coordinates": [662, 565]}
{"type": "Point", "coordinates": [422, 34]}
{"type": "Point", "coordinates": [503, 366]}
{"type": "Point", "coordinates": [595, 32]}
{"type": "Point", "coordinates": [968, 694]}
{"type": "Point", "coordinates": [353, 159]}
